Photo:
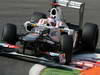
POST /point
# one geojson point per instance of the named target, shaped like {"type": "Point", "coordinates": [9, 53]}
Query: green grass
{"type": "Point", "coordinates": [53, 71]}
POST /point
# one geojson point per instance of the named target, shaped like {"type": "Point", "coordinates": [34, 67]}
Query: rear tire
{"type": "Point", "coordinates": [37, 15]}
{"type": "Point", "coordinates": [9, 33]}
{"type": "Point", "coordinates": [90, 36]}
{"type": "Point", "coordinates": [67, 46]}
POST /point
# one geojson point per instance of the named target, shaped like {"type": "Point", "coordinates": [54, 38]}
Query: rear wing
{"type": "Point", "coordinates": [70, 3]}
{"type": "Point", "coordinates": [76, 4]}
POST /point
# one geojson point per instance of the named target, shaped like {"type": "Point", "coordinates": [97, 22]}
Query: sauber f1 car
{"type": "Point", "coordinates": [51, 37]}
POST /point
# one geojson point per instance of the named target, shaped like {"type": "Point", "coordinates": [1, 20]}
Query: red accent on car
{"type": "Point", "coordinates": [13, 46]}
{"type": "Point", "coordinates": [55, 4]}
{"type": "Point", "coordinates": [35, 34]}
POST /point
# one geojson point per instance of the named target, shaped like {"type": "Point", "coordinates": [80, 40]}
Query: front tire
{"type": "Point", "coordinates": [90, 36]}
{"type": "Point", "coordinates": [9, 33]}
{"type": "Point", "coordinates": [66, 47]}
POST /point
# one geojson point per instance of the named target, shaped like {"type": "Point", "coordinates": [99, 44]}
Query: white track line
{"type": "Point", "coordinates": [36, 69]}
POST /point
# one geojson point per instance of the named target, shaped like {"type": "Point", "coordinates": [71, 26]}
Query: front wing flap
{"type": "Point", "coordinates": [40, 60]}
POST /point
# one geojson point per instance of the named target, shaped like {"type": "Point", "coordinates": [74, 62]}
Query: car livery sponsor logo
{"type": "Point", "coordinates": [8, 45]}
{"type": "Point", "coordinates": [3, 44]}
{"type": "Point", "coordinates": [62, 58]}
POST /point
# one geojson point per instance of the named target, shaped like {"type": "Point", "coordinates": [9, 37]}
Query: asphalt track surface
{"type": "Point", "coordinates": [19, 11]}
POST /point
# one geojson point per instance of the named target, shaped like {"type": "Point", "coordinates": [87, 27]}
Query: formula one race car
{"type": "Point", "coordinates": [51, 37]}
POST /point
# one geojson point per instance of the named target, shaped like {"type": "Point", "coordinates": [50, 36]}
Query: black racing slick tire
{"type": "Point", "coordinates": [9, 33]}
{"type": "Point", "coordinates": [66, 47]}
{"type": "Point", "coordinates": [38, 15]}
{"type": "Point", "coordinates": [90, 36]}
